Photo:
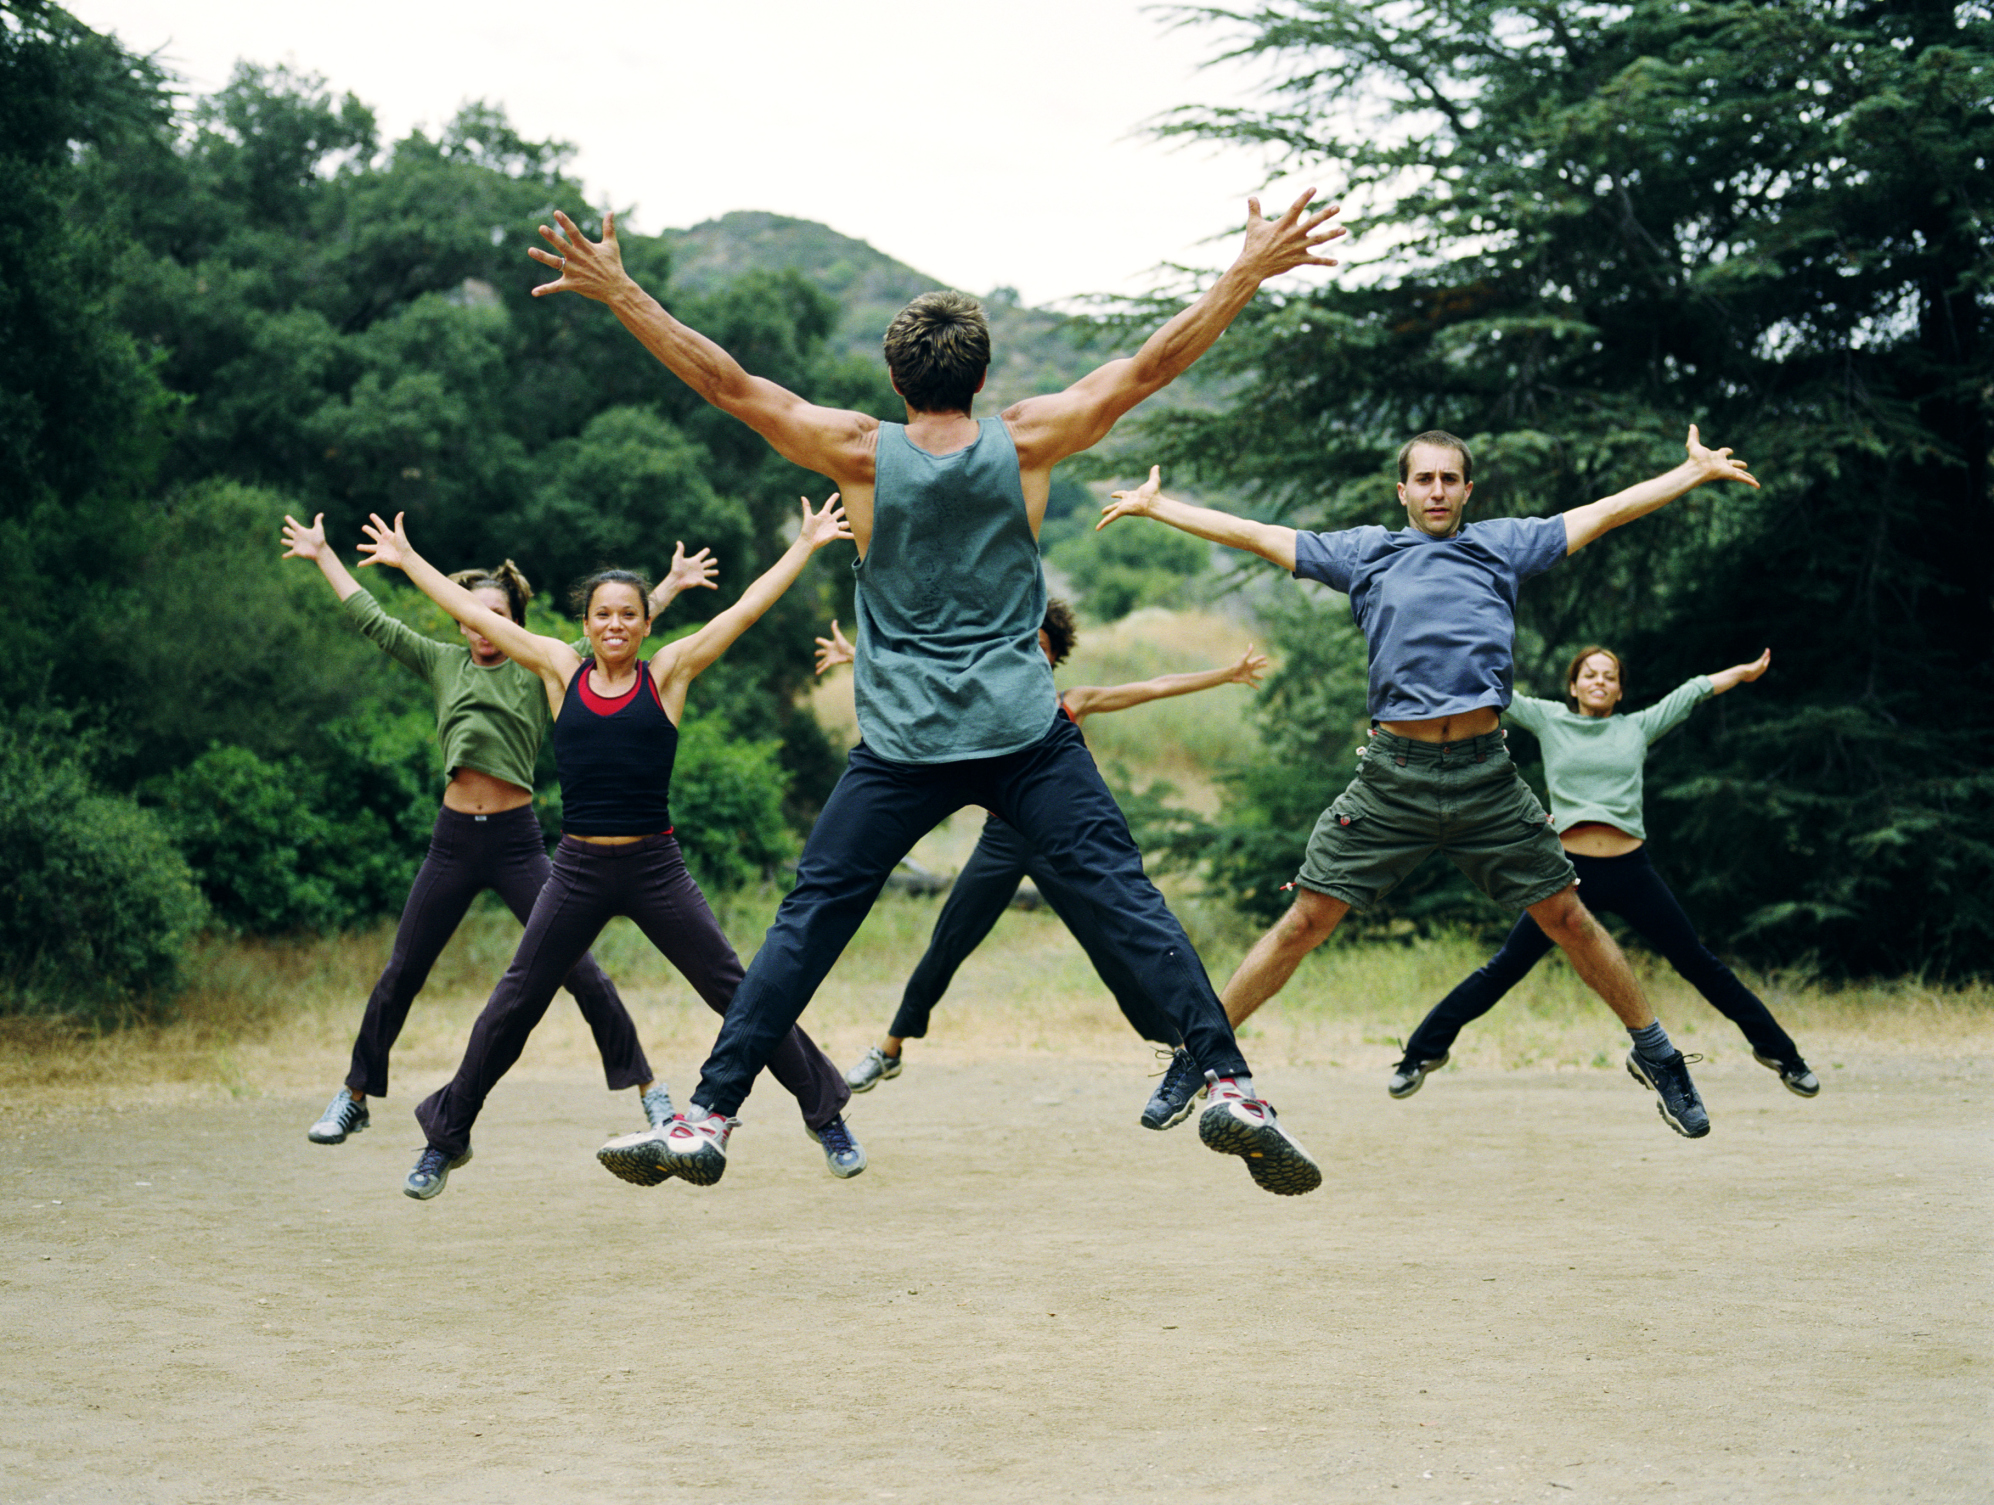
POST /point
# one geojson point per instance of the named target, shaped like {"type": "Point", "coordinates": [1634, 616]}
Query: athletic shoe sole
{"type": "Point", "coordinates": [1426, 1068]}
{"type": "Point", "coordinates": [1796, 1088]}
{"type": "Point", "coordinates": [317, 1138]}
{"type": "Point", "coordinates": [1635, 1070]}
{"type": "Point", "coordinates": [638, 1158]}
{"type": "Point", "coordinates": [1272, 1157]}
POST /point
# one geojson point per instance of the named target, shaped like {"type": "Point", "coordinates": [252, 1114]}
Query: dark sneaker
{"type": "Point", "coordinates": [843, 1155]}
{"type": "Point", "coordinates": [1676, 1097]}
{"type": "Point", "coordinates": [1182, 1085]}
{"type": "Point", "coordinates": [1236, 1124]}
{"type": "Point", "coordinates": [342, 1116]}
{"type": "Point", "coordinates": [658, 1106]}
{"type": "Point", "coordinates": [1793, 1075]}
{"type": "Point", "coordinates": [1409, 1075]}
{"type": "Point", "coordinates": [874, 1067]}
{"type": "Point", "coordinates": [432, 1173]}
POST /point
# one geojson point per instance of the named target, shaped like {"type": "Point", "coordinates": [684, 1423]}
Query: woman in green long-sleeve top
{"type": "Point", "coordinates": [491, 717]}
{"type": "Point", "coordinates": [1592, 762]}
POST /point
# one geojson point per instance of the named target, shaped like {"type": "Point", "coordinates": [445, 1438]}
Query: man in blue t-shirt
{"type": "Point", "coordinates": [1436, 603]}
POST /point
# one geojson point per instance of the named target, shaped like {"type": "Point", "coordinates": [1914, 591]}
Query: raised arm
{"type": "Point", "coordinates": [301, 542]}
{"type": "Point", "coordinates": [1270, 541]}
{"type": "Point", "coordinates": [1048, 429]}
{"type": "Point", "coordinates": [700, 569]}
{"type": "Point", "coordinates": [1740, 674]}
{"type": "Point", "coordinates": [831, 441]}
{"type": "Point", "coordinates": [551, 659]}
{"type": "Point", "coordinates": [1093, 700]}
{"type": "Point", "coordinates": [834, 650]}
{"type": "Point", "coordinates": [677, 666]}
{"type": "Point", "coordinates": [1584, 524]}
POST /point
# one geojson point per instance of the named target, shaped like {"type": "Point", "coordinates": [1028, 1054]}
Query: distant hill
{"type": "Point", "coordinates": [1030, 352]}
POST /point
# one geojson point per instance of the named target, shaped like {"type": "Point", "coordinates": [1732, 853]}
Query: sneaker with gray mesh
{"type": "Point", "coordinates": [1794, 1075]}
{"type": "Point", "coordinates": [1676, 1097]}
{"type": "Point", "coordinates": [844, 1157]}
{"type": "Point", "coordinates": [658, 1106]}
{"type": "Point", "coordinates": [1236, 1124]}
{"type": "Point", "coordinates": [342, 1117]}
{"type": "Point", "coordinates": [432, 1172]}
{"type": "Point", "coordinates": [1409, 1075]}
{"type": "Point", "coordinates": [1182, 1085]}
{"type": "Point", "coordinates": [874, 1067]}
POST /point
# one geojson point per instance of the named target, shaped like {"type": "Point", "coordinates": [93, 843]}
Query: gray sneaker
{"type": "Point", "coordinates": [874, 1067]}
{"type": "Point", "coordinates": [1676, 1097]}
{"type": "Point", "coordinates": [1793, 1075]}
{"type": "Point", "coordinates": [1409, 1075]}
{"type": "Point", "coordinates": [1182, 1085]}
{"type": "Point", "coordinates": [658, 1105]}
{"type": "Point", "coordinates": [432, 1173]}
{"type": "Point", "coordinates": [342, 1117]}
{"type": "Point", "coordinates": [844, 1157]}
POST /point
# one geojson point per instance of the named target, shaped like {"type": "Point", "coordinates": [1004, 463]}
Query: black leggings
{"type": "Point", "coordinates": [1630, 887]}
{"type": "Point", "coordinates": [982, 891]}
{"type": "Point", "coordinates": [589, 885]}
{"type": "Point", "coordinates": [467, 855]}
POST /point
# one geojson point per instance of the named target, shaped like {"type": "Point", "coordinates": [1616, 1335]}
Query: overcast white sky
{"type": "Point", "coordinates": [986, 145]}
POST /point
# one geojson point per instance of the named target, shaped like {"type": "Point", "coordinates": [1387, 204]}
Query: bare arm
{"type": "Point", "coordinates": [301, 542]}
{"type": "Point", "coordinates": [1584, 524]}
{"type": "Point", "coordinates": [676, 667]}
{"type": "Point", "coordinates": [1047, 429]}
{"type": "Point", "coordinates": [1270, 541]}
{"type": "Point", "coordinates": [831, 441]}
{"type": "Point", "coordinates": [550, 658]}
{"type": "Point", "coordinates": [684, 573]}
{"type": "Point", "coordinates": [1091, 700]}
{"type": "Point", "coordinates": [834, 650]}
{"type": "Point", "coordinates": [1740, 674]}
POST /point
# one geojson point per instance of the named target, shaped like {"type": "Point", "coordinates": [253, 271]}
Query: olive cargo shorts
{"type": "Point", "coordinates": [1412, 799]}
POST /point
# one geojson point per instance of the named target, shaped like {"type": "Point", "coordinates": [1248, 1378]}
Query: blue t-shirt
{"type": "Point", "coordinates": [1439, 614]}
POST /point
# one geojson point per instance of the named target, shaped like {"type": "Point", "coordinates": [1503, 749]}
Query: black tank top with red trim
{"type": "Point", "coordinates": [614, 758]}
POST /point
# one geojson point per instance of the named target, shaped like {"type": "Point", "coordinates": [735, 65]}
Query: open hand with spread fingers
{"type": "Point", "coordinates": [834, 650]}
{"type": "Point", "coordinates": [827, 526]}
{"type": "Point", "coordinates": [1248, 670]}
{"type": "Point", "coordinates": [384, 544]}
{"type": "Point", "coordinates": [1140, 502]}
{"type": "Point", "coordinates": [593, 268]}
{"type": "Point", "coordinates": [1274, 246]}
{"type": "Point", "coordinates": [301, 542]}
{"type": "Point", "coordinates": [688, 570]}
{"type": "Point", "coordinates": [1717, 464]}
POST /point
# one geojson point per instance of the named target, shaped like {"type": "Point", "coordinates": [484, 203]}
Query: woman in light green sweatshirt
{"type": "Point", "coordinates": [1592, 762]}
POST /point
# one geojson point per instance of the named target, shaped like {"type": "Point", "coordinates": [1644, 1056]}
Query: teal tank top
{"type": "Point", "coordinates": [950, 597]}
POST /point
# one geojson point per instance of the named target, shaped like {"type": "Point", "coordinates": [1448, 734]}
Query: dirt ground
{"type": "Point", "coordinates": [1517, 1286]}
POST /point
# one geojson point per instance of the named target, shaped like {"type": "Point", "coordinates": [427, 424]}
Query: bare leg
{"type": "Point", "coordinates": [1308, 923]}
{"type": "Point", "coordinates": [889, 1046]}
{"type": "Point", "coordinates": [1594, 955]}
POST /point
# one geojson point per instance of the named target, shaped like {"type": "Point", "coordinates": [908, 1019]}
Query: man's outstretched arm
{"type": "Point", "coordinates": [1584, 524]}
{"type": "Point", "coordinates": [1271, 541]}
{"type": "Point", "coordinates": [1047, 429]}
{"type": "Point", "coordinates": [831, 441]}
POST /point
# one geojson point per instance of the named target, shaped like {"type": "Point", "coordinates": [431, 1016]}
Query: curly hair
{"type": "Point", "coordinates": [506, 578]}
{"type": "Point", "coordinates": [582, 597]}
{"type": "Point", "coordinates": [937, 349]}
{"type": "Point", "coordinates": [1060, 630]}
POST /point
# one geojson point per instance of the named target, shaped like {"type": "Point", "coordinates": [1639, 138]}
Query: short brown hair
{"type": "Point", "coordinates": [1438, 439]}
{"type": "Point", "coordinates": [582, 597]}
{"type": "Point", "coordinates": [1060, 630]}
{"type": "Point", "coordinates": [1578, 660]}
{"type": "Point", "coordinates": [937, 349]}
{"type": "Point", "coordinates": [506, 578]}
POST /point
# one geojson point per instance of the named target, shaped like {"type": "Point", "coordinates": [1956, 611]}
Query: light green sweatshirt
{"type": "Point", "coordinates": [1593, 763]}
{"type": "Point", "coordinates": [493, 720]}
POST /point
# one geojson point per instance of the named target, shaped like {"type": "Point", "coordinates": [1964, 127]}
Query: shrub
{"type": "Point", "coordinates": [96, 907]}
{"type": "Point", "coordinates": [727, 798]}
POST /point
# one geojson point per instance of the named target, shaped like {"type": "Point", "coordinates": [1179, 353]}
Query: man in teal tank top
{"type": "Point", "coordinates": [955, 700]}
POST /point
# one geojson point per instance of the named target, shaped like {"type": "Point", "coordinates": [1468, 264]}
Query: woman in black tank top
{"type": "Point", "coordinates": [615, 737]}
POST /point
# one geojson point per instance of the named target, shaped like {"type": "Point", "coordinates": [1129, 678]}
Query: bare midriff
{"type": "Point", "coordinates": [603, 841]}
{"type": "Point", "coordinates": [1595, 838]}
{"type": "Point", "coordinates": [471, 792]}
{"type": "Point", "coordinates": [1469, 724]}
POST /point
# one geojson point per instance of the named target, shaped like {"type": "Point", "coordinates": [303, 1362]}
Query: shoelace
{"type": "Point", "coordinates": [1165, 1059]}
{"type": "Point", "coordinates": [835, 1137]}
{"type": "Point", "coordinates": [430, 1163]}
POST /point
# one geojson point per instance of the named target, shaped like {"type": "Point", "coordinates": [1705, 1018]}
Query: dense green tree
{"type": "Point", "coordinates": [1770, 217]}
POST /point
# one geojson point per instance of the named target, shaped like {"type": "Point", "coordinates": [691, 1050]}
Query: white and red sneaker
{"type": "Point", "coordinates": [1239, 1124]}
{"type": "Point", "coordinates": [692, 1146]}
